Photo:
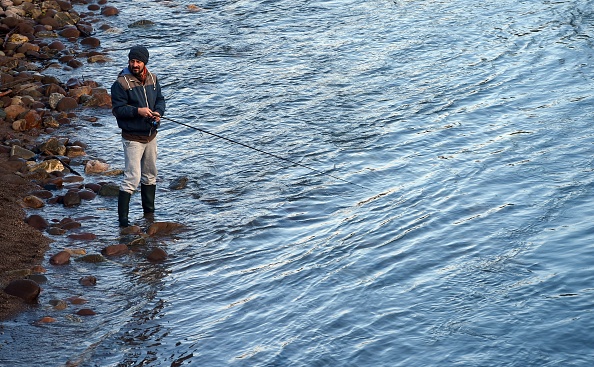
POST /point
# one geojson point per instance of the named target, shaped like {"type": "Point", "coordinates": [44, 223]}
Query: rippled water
{"type": "Point", "coordinates": [466, 123]}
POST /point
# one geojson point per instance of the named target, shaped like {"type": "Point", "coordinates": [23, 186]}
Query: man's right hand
{"type": "Point", "coordinates": [145, 112]}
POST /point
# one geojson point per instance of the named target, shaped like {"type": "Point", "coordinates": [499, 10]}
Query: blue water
{"type": "Point", "coordinates": [468, 126]}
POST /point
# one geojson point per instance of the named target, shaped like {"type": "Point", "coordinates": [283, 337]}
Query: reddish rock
{"type": "Point", "coordinates": [37, 222]}
{"type": "Point", "coordinates": [13, 111]}
{"type": "Point", "coordinates": [109, 11]}
{"type": "Point", "coordinates": [77, 300]}
{"type": "Point", "coordinates": [93, 186]}
{"type": "Point", "coordinates": [61, 258]}
{"type": "Point", "coordinates": [87, 194]}
{"type": "Point", "coordinates": [85, 312]}
{"type": "Point", "coordinates": [42, 194]}
{"type": "Point", "coordinates": [91, 42]}
{"type": "Point", "coordinates": [70, 32]}
{"type": "Point", "coordinates": [162, 228]}
{"type": "Point", "coordinates": [157, 254]}
{"type": "Point", "coordinates": [47, 319]}
{"type": "Point", "coordinates": [66, 104]}
{"type": "Point", "coordinates": [82, 236]}
{"type": "Point", "coordinates": [32, 201]}
{"type": "Point", "coordinates": [56, 45]}
{"type": "Point", "coordinates": [88, 281]}
{"type": "Point", "coordinates": [115, 250]}
{"type": "Point", "coordinates": [25, 289]}
{"type": "Point", "coordinates": [70, 225]}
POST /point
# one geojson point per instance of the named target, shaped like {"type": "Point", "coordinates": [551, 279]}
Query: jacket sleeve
{"type": "Point", "coordinates": [119, 102]}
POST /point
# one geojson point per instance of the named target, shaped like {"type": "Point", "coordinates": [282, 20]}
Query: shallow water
{"type": "Point", "coordinates": [467, 124]}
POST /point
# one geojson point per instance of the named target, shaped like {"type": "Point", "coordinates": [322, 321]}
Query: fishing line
{"type": "Point", "coordinates": [261, 151]}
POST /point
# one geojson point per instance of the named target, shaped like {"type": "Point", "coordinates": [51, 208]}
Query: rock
{"type": "Point", "coordinates": [53, 146]}
{"type": "Point", "coordinates": [21, 152]}
{"type": "Point", "coordinates": [85, 312]}
{"type": "Point", "coordinates": [157, 254]}
{"type": "Point", "coordinates": [130, 230]}
{"type": "Point", "coordinates": [61, 258]}
{"type": "Point", "coordinates": [58, 304]}
{"type": "Point", "coordinates": [91, 258]}
{"type": "Point", "coordinates": [141, 23]}
{"type": "Point", "coordinates": [42, 194]}
{"type": "Point", "coordinates": [37, 222]}
{"type": "Point", "coordinates": [32, 201]}
{"type": "Point", "coordinates": [51, 165]}
{"type": "Point", "coordinates": [115, 250]}
{"type": "Point", "coordinates": [95, 167]}
{"type": "Point", "coordinates": [88, 281]}
{"type": "Point", "coordinates": [93, 186]}
{"type": "Point", "coordinates": [93, 42]}
{"type": "Point", "coordinates": [25, 289]}
{"type": "Point", "coordinates": [71, 199]}
{"type": "Point", "coordinates": [87, 194]}
{"type": "Point", "coordinates": [179, 183]}
{"type": "Point", "coordinates": [56, 231]}
{"type": "Point", "coordinates": [162, 228]}
{"type": "Point", "coordinates": [47, 320]}
{"type": "Point", "coordinates": [37, 278]}
{"type": "Point", "coordinates": [75, 151]}
{"type": "Point", "coordinates": [76, 251]}
{"type": "Point", "coordinates": [82, 236]}
{"type": "Point", "coordinates": [13, 111]}
{"type": "Point", "coordinates": [66, 104]}
{"type": "Point", "coordinates": [109, 11]}
{"type": "Point", "coordinates": [109, 189]}
{"type": "Point", "coordinates": [77, 300]}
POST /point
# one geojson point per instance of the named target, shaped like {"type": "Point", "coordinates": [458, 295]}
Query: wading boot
{"type": "Point", "coordinates": [147, 193]}
{"type": "Point", "coordinates": [123, 208]}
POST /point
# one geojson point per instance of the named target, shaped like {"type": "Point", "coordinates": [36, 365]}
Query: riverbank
{"type": "Point", "coordinates": [33, 106]}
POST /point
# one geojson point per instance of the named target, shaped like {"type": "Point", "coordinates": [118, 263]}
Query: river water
{"type": "Point", "coordinates": [463, 238]}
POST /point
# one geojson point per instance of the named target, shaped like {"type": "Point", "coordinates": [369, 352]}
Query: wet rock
{"type": "Point", "coordinates": [179, 183]}
{"type": "Point", "coordinates": [115, 250]}
{"type": "Point", "coordinates": [88, 281]}
{"type": "Point", "coordinates": [37, 278]}
{"type": "Point", "coordinates": [61, 258]}
{"type": "Point", "coordinates": [109, 11]}
{"type": "Point", "coordinates": [109, 189]}
{"type": "Point", "coordinates": [87, 194]}
{"type": "Point", "coordinates": [56, 231]}
{"type": "Point", "coordinates": [93, 187]}
{"type": "Point", "coordinates": [82, 236]}
{"type": "Point", "coordinates": [163, 228]}
{"type": "Point", "coordinates": [71, 198]}
{"type": "Point", "coordinates": [85, 312]}
{"type": "Point", "coordinates": [17, 151]}
{"type": "Point", "coordinates": [130, 230]}
{"type": "Point", "coordinates": [46, 320]}
{"type": "Point", "coordinates": [96, 167]}
{"type": "Point", "coordinates": [91, 258]}
{"type": "Point", "coordinates": [66, 104]}
{"type": "Point", "coordinates": [53, 146]}
{"type": "Point", "coordinates": [141, 23]}
{"type": "Point", "coordinates": [25, 289]}
{"type": "Point", "coordinates": [76, 251]}
{"type": "Point", "coordinates": [157, 254]}
{"type": "Point", "coordinates": [68, 226]}
{"type": "Point", "coordinates": [37, 222]}
{"type": "Point", "coordinates": [58, 304]}
{"type": "Point", "coordinates": [74, 178]}
{"type": "Point", "coordinates": [48, 166]}
{"type": "Point", "coordinates": [77, 300]}
{"type": "Point", "coordinates": [32, 201]}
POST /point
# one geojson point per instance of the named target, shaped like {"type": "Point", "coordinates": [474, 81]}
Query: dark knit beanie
{"type": "Point", "coordinates": [139, 53]}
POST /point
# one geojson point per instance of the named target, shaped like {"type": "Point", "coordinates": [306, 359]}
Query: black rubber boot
{"type": "Point", "coordinates": [123, 208]}
{"type": "Point", "coordinates": [147, 193]}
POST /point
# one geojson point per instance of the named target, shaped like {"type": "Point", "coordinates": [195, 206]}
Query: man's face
{"type": "Point", "coordinates": [136, 66]}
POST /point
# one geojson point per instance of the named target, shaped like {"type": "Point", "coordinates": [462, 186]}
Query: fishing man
{"type": "Point", "coordinates": [137, 104]}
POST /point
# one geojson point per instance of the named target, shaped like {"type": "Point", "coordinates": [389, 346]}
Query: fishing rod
{"type": "Point", "coordinates": [260, 150]}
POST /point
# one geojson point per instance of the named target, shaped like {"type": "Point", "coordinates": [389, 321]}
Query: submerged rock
{"type": "Point", "coordinates": [163, 228]}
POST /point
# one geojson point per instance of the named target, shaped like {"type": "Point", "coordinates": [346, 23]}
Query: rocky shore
{"type": "Point", "coordinates": [35, 158]}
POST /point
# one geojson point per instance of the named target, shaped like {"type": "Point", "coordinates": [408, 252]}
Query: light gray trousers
{"type": "Point", "coordinates": [140, 161]}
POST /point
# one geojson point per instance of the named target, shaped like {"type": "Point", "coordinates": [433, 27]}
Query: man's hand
{"type": "Point", "coordinates": [156, 116]}
{"type": "Point", "coordinates": [145, 112]}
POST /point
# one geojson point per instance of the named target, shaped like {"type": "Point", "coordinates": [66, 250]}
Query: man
{"type": "Point", "coordinates": [137, 104]}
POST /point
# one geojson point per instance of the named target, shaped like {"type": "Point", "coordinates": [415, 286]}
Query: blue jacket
{"type": "Point", "coordinates": [128, 94]}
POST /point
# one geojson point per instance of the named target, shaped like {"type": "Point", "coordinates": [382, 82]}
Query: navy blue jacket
{"type": "Point", "coordinates": [128, 94]}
